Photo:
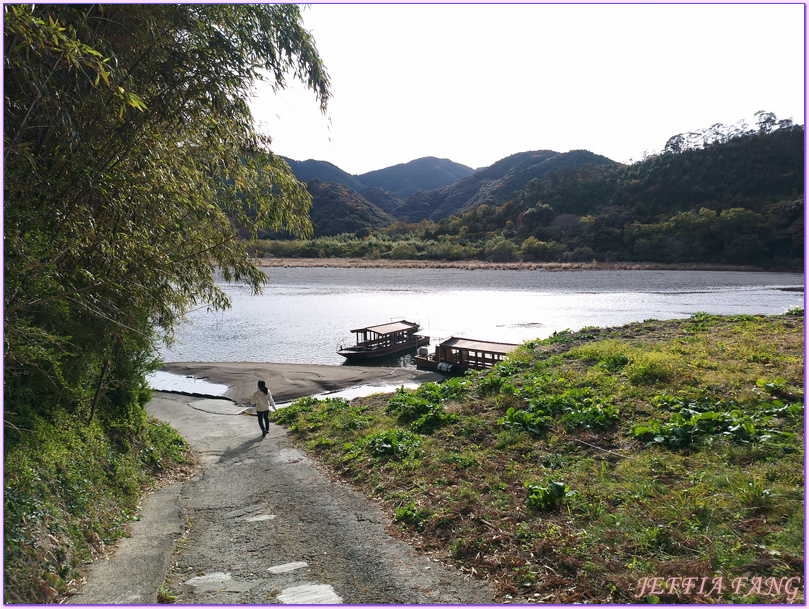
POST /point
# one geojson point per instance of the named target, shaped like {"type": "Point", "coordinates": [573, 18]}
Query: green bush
{"type": "Point", "coordinates": [548, 496]}
{"type": "Point", "coordinates": [424, 407]}
{"type": "Point", "coordinates": [289, 414]}
{"type": "Point", "coordinates": [397, 443]}
{"type": "Point", "coordinates": [404, 251]}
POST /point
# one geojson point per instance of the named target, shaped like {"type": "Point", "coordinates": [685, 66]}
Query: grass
{"type": "Point", "coordinates": [69, 491]}
{"type": "Point", "coordinates": [655, 462]}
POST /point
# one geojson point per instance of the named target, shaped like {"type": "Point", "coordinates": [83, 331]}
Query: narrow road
{"type": "Point", "coordinates": [265, 526]}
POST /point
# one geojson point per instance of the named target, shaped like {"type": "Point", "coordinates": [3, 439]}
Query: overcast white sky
{"type": "Point", "coordinates": [476, 83]}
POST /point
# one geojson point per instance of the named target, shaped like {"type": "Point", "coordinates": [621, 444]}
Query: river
{"type": "Point", "coordinates": [305, 314]}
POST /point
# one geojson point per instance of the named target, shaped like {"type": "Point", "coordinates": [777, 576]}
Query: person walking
{"type": "Point", "coordinates": [262, 398]}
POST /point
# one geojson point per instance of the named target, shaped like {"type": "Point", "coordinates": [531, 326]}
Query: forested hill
{"type": "Point", "coordinates": [337, 209]}
{"type": "Point", "coordinates": [323, 171]}
{"type": "Point", "coordinates": [736, 202]}
{"type": "Point", "coordinates": [493, 185]}
{"type": "Point", "coordinates": [343, 203]}
{"type": "Point", "coordinates": [407, 179]}
{"type": "Point", "coordinates": [400, 181]}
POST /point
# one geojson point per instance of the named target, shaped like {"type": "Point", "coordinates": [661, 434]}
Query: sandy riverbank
{"type": "Point", "coordinates": [291, 381]}
{"type": "Point", "coordinates": [483, 265]}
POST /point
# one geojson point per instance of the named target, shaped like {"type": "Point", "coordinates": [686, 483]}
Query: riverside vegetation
{"type": "Point", "coordinates": [661, 461]}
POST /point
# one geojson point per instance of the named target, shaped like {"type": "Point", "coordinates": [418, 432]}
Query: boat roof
{"type": "Point", "coordinates": [478, 345]}
{"type": "Point", "coordinates": [390, 328]}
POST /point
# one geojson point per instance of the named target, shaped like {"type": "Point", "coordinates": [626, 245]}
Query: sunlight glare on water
{"type": "Point", "coordinates": [306, 314]}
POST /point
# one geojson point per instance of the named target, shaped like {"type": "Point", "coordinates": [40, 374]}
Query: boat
{"type": "Point", "coordinates": [457, 355]}
{"type": "Point", "coordinates": [384, 339]}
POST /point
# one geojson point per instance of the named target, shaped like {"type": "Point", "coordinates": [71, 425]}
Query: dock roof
{"type": "Point", "coordinates": [390, 328]}
{"type": "Point", "coordinates": [478, 345]}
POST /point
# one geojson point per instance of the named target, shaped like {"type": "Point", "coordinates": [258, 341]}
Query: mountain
{"type": "Point", "coordinates": [383, 199]}
{"type": "Point", "coordinates": [407, 179]}
{"type": "Point", "coordinates": [400, 181]}
{"type": "Point", "coordinates": [737, 202]}
{"type": "Point", "coordinates": [323, 171]}
{"type": "Point", "coordinates": [493, 185]}
{"type": "Point", "coordinates": [337, 209]}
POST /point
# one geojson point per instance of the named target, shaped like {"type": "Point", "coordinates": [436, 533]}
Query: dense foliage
{"type": "Point", "coordinates": [592, 462]}
{"type": "Point", "coordinates": [68, 493]}
{"type": "Point", "coordinates": [719, 196]}
{"type": "Point", "coordinates": [131, 158]}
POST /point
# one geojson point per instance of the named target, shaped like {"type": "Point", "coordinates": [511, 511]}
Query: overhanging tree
{"type": "Point", "coordinates": [131, 160]}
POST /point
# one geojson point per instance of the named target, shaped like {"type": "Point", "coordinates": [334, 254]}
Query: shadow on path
{"type": "Point", "coordinates": [235, 452]}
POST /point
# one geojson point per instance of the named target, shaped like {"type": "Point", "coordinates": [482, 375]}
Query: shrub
{"type": "Point", "coordinates": [424, 406]}
{"type": "Point", "coordinates": [404, 251]}
{"type": "Point", "coordinates": [408, 405]}
{"type": "Point", "coordinates": [396, 443]}
{"type": "Point", "coordinates": [499, 249]}
{"type": "Point", "coordinates": [548, 496]}
{"type": "Point", "coordinates": [436, 418]}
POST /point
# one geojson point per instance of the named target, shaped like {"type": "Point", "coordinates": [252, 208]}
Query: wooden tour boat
{"type": "Point", "coordinates": [384, 339]}
{"type": "Point", "coordinates": [457, 355]}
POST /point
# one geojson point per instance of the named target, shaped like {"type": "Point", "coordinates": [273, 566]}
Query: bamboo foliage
{"type": "Point", "coordinates": [131, 159]}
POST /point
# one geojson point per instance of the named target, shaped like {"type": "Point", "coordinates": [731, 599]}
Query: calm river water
{"type": "Point", "coordinates": [305, 314]}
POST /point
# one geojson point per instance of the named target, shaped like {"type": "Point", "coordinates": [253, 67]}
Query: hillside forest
{"type": "Point", "coordinates": [729, 195]}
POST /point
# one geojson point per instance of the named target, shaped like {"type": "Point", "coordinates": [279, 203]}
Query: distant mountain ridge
{"type": "Point", "coordinates": [323, 171]}
{"type": "Point", "coordinates": [735, 199]}
{"type": "Point", "coordinates": [433, 188]}
{"type": "Point", "coordinates": [493, 185]}
{"type": "Point", "coordinates": [402, 180]}
{"type": "Point", "coordinates": [406, 179]}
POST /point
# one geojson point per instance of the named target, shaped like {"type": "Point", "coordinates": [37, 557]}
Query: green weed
{"type": "Point", "coordinates": [423, 408]}
{"type": "Point", "coordinates": [396, 443]}
{"type": "Point", "coordinates": [548, 496]}
{"type": "Point", "coordinates": [165, 596]}
{"type": "Point", "coordinates": [749, 488]}
{"type": "Point", "coordinates": [650, 369]}
{"type": "Point", "coordinates": [412, 516]}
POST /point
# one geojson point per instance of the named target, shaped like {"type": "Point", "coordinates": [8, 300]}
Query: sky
{"type": "Point", "coordinates": [475, 83]}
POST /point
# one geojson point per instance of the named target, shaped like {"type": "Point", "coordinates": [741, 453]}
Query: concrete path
{"type": "Point", "coordinates": [264, 527]}
{"type": "Point", "coordinates": [140, 562]}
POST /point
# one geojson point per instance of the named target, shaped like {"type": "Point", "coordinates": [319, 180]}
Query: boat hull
{"type": "Point", "coordinates": [428, 363]}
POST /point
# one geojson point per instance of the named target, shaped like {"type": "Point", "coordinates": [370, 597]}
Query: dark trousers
{"type": "Point", "coordinates": [263, 420]}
